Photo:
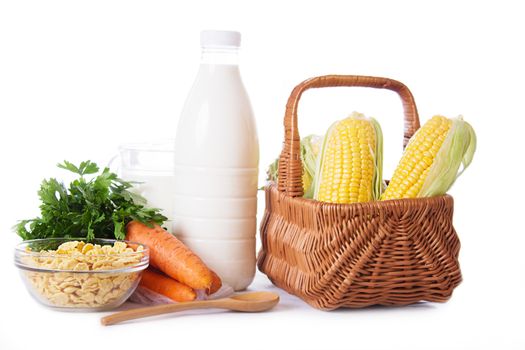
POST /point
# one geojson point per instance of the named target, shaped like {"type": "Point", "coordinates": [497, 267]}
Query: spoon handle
{"type": "Point", "coordinates": [158, 310]}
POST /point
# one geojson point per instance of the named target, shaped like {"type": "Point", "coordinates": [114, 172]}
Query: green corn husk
{"type": "Point", "coordinates": [379, 183]}
{"type": "Point", "coordinates": [310, 146]}
{"type": "Point", "coordinates": [456, 152]}
{"type": "Point", "coordinates": [272, 174]}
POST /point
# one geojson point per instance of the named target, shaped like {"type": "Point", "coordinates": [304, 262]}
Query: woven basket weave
{"type": "Point", "coordinates": [394, 252]}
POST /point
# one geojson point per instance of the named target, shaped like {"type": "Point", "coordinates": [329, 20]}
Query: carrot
{"type": "Point", "coordinates": [216, 283]}
{"type": "Point", "coordinates": [171, 256]}
{"type": "Point", "coordinates": [166, 286]}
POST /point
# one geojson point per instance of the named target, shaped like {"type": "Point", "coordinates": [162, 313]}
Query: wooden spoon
{"type": "Point", "coordinates": [247, 302]}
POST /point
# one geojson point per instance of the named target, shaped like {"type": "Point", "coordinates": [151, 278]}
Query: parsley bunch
{"type": "Point", "coordinates": [96, 207]}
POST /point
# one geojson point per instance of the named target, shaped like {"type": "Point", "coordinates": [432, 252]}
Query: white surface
{"type": "Point", "coordinates": [79, 78]}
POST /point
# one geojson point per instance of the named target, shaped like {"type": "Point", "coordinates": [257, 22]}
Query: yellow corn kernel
{"type": "Point", "coordinates": [417, 159]}
{"type": "Point", "coordinates": [348, 164]}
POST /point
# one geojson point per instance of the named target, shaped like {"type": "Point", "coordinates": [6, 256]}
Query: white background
{"type": "Point", "coordinates": [77, 78]}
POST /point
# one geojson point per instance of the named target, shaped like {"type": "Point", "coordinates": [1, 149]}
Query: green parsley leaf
{"type": "Point", "coordinates": [96, 207]}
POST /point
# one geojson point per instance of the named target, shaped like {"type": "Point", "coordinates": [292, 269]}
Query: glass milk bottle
{"type": "Point", "coordinates": [216, 165]}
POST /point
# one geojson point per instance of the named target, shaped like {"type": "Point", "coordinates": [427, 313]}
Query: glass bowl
{"type": "Point", "coordinates": [79, 280]}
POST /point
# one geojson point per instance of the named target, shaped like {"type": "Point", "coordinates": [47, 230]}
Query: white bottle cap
{"type": "Point", "coordinates": [220, 38]}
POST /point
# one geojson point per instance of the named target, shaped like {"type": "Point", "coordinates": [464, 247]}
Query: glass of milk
{"type": "Point", "coordinates": [150, 164]}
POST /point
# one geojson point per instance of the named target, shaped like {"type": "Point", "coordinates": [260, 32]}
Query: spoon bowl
{"type": "Point", "coordinates": [252, 302]}
{"type": "Point", "coordinates": [255, 296]}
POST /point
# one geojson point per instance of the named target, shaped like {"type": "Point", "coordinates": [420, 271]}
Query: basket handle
{"type": "Point", "coordinates": [290, 165]}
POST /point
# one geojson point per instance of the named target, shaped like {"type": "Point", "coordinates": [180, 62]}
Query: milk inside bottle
{"type": "Point", "coordinates": [216, 165]}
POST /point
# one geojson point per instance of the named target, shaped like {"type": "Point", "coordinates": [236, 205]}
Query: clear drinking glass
{"type": "Point", "coordinates": [151, 165]}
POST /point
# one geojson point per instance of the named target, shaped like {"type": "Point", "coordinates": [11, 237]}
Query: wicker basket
{"type": "Point", "coordinates": [394, 252]}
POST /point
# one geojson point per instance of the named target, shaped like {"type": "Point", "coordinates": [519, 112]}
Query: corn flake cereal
{"type": "Point", "coordinates": [84, 290]}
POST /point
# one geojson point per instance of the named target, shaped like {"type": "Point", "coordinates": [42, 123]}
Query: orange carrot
{"type": "Point", "coordinates": [166, 286]}
{"type": "Point", "coordinates": [216, 283]}
{"type": "Point", "coordinates": [171, 256]}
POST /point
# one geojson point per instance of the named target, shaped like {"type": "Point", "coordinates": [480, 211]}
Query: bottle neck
{"type": "Point", "coordinates": [220, 56]}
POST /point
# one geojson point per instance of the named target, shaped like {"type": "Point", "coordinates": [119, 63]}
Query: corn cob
{"type": "Point", "coordinates": [432, 158]}
{"type": "Point", "coordinates": [350, 163]}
